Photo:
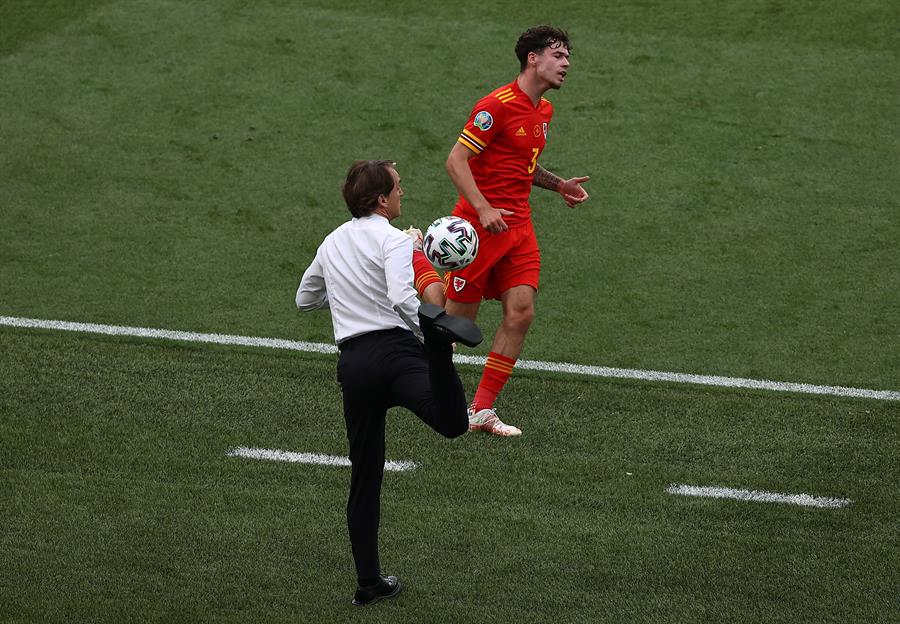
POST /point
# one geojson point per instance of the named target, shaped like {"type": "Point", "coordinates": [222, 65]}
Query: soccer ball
{"type": "Point", "coordinates": [450, 243]}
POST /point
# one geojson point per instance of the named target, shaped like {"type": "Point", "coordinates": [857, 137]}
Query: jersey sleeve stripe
{"type": "Point", "coordinates": [473, 138]}
{"type": "Point", "coordinates": [465, 141]}
{"type": "Point", "coordinates": [469, 140]}
{"type": "Point", "coordinates": [426, 279]}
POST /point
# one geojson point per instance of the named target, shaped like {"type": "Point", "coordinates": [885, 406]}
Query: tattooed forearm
{"type": "Point", "coordinates": [546, 179]}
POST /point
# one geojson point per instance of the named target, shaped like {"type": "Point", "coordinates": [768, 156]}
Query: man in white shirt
{"type": "Point", "coordinates": [363, 273]}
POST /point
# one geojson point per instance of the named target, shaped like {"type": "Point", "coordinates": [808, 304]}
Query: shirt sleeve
{"type": "Point", "coordinates": [483, 125]}
{"type": "Point", "coordinates": [311, 294]}
{"type": "Point", "coordinates": [398, 274]}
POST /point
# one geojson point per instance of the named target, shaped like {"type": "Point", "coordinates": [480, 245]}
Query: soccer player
{"type": "Point", "coordinates": [363, 274]}
{"type": "Point", "coordinates": [493, 165]}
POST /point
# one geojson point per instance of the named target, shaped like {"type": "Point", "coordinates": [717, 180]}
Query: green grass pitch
{"type": "Point", "coordinates": [174, 164]}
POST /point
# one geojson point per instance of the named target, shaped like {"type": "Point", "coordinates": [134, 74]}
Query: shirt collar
{"type": "Point", "coordinates": [372, 217]}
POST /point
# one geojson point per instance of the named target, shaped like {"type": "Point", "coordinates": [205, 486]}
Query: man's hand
{"type": "Point", "coordinates": [492, 219]}
{"type": "Point", "coordinates": [572, 191]}
{"type": "Point", "coordinates": [416, 235]}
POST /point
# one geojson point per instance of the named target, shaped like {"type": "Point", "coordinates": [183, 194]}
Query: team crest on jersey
{"type": "Point", "coordinates": [520, 131]}
{"type": "Point", "coordinates": [458, 283]}
{"type": "Point", "coordinates": [537, 131]}
{"type": "Point", "coordinates": [483, 121]}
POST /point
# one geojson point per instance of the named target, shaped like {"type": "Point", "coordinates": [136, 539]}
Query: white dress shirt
{"type": "Point", "coordinates": [362, 272]}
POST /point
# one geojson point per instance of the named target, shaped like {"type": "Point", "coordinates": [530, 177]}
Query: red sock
{"type": "Point", "coordinates": [425, 275]}
{"type": "Point", "coordinates": [496, 373]}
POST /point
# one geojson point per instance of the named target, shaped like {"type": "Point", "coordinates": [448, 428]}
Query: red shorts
{"type": "Point", "coordinates": [504, 260]}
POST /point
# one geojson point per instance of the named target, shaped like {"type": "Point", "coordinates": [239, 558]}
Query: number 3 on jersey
{"type": "Point", "coordinates": [534, 154]}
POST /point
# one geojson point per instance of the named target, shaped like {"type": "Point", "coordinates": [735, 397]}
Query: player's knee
{"type": "Point", "coordinates": [457, 431]}
{"type": "Point", "coordinates": [455, 427]}
{"type": "Point", "coordinates": [520, 317]}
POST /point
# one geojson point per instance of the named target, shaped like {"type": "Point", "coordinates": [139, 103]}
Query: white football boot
{"type": "Point", "coordinates": [487, 420]}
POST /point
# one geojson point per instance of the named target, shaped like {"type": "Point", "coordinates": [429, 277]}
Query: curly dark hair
{"type": "Point", "coordinates": [537, 38]}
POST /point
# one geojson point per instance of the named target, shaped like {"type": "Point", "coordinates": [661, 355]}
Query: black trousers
{"type": "Point", "coordinates": [377, 371]}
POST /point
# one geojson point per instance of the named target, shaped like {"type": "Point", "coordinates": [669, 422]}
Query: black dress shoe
{"type": "Point", "coordinates": [440, 327]}
{"type": "Point", "coordinates": [386, 587]}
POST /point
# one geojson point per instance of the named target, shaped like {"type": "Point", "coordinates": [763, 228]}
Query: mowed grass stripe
{"type": "Point", "coordinates": [556, 367]}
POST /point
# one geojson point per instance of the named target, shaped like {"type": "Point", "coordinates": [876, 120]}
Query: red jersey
{"type": "Point", "coordinates": [507, 133]}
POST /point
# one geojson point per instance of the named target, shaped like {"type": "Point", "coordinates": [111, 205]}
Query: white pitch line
{"type": "Point", "coordinates": [556, 367]}
{"type": "Point", "coordinates": [310, 458]}
{"type": "Point", "coordinates": [758, 496]}
{"type": "Point", "coordinates": [168, 334]}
